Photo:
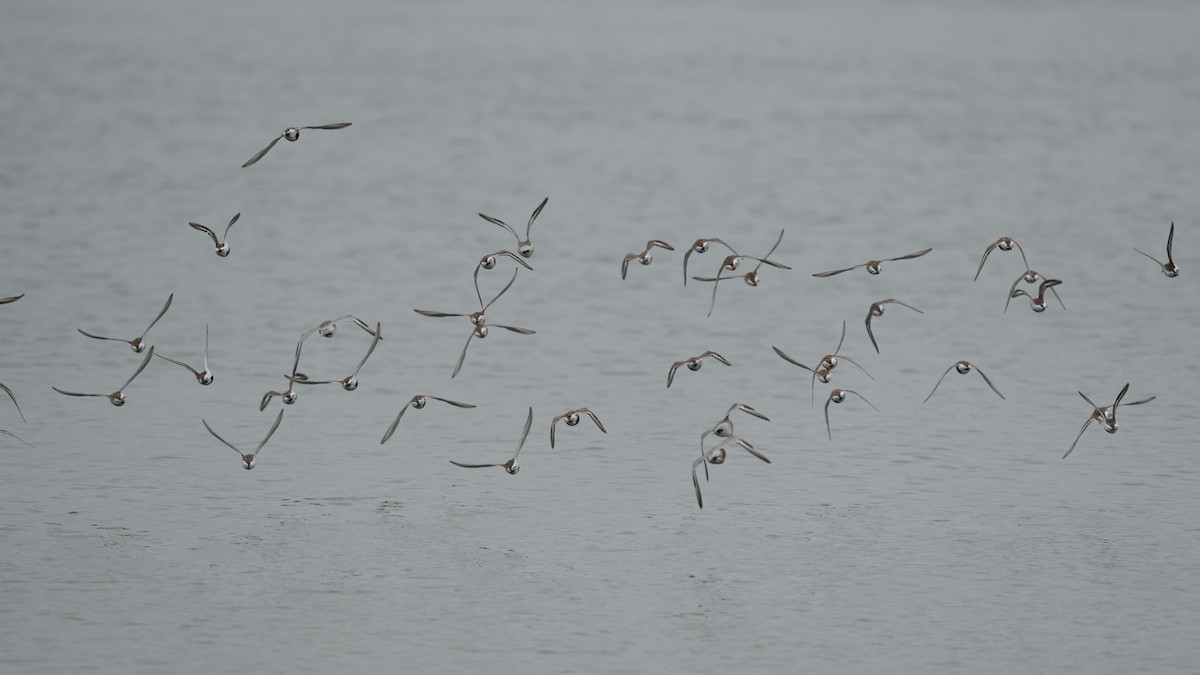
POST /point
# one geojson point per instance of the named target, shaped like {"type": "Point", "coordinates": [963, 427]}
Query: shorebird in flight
{"type": "Point", "coordinates": [488, 262]}
{"type": "Point", "coordinates": [476, 318]}
{"type": "Point", "coordinates": [222, 246]}
{"type": "Point", "coordinates": [137, 344]}
{"type": "Point", "coordinates": [572, 417]}
{"type": "Point", "coordinates": [1037, 304]}
{"type": "Point", "coordinates": [693, 364]}
{"type": "Point", "coordinates": [511, 466]}
{"type": "Point", "coordinates": [825, 366]}
{"type": "Point", "coordinates": [418, 402]}
{"type": "Point", "coordinates": [116, 398]}
{"type": "Point", "coordinates": [1169, 269]}
{"type": "Point", "coordinates": [644, 257]}
{"type": "Point", "coordinates": [837, 396]}
{"type": "Point", "coordinates": [1004, 244]}
{"type": "Point", "coordinates": [1106, 416]}
{"type": "Point", "coordinates": [524, 246]}
{"type": "Point", "coordinates": [876, 309]}
{"type": "Point", "coordinates": [350, 382]}
{"type": "Point", "coordinates": [717, 455]}
{"type": "Point", "coordinates": [291, 133]}
{"type": "Point", "coordinates": [732, 262]}
{"type": "Point", "coordinates": [701, 246]}
{"type": "Point", "coordinates": [248, 459]}
{"type": "Point", "coordinates": [204, 376]}
{"type": "Point", "coordinates": [963, 367]}
{"type": "Point", "coordinates": [873, 265]}
{"type": "Point", "coordinates": [481, 331]}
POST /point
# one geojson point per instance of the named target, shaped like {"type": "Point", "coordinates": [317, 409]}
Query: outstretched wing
{"type": "Point", "coordinates": [909, 256]}
{"type": "Point", "coordinates": [594, 419]}
{"type": "Point", "coordinates": [162, 311]}
{"type": "Point", "coordinates": [988, 380]}
{"type": "Point", "coordinates": [939, 382]}
{"type": "Point", "coordinates": [232, 220]}
{"type": "Point", "coordinates": [207, 231]}
{"type": "Point", "coordinates": [833, 272]}
{"type": "Point", "coordinates": [536, 213]}
{"type": "Point", "coordinates": [789, 359]}
{"type": "Point", "coordinates": [259, 155]}
{"type": "Point", "coordinates": [335, 125]}
{"type": "Point", "coordinates": [525, 433]}
{"type": "Point", "coordinates": [472, 466]}
{"type": "Point", "coordinates": [278, 419]}
{"type": "Point", "coordinates": [145, 362]}
{"type": "Point", "coordinates": [463, 355]}
{"type": "Point", "coordinates": [218, 437]}
{"type": "Point", "coordinates": [14, 400]}
{"type": "Point", "coordinates": [501, 223]}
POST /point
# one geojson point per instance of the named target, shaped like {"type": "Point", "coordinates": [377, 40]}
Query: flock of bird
{"type": "Point", "coordinates": [711, 452]}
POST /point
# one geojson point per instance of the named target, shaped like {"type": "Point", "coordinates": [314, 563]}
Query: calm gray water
{"type": "Point", "coordinates": [939, 537]}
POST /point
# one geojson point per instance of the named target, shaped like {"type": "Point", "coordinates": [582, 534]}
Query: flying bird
{"type": "Point", "coordinates": [644, 257]}
{"type": "Point", "coordinates": [1004, 244]}
{"type": "Point", "coordinates": [876, 309]}
{"type": "Point", "coordinates": [248, 459]}
{"type": "Point", "coordinates": [693, 364]}
{"type": "Point", "coordinates": [1032, 277]}
{"type": "Point", "coordinates": [1169, 269]}
{"type": "Point", "coordinates": [825, 366]}
{"type": "Point", "coordinates": [873, 265]}
{"type": "Point", "coordinates": [837, 396]}
{"type": "Point", "coordinates": [328, 329]}
{"type": "Point", "coordinates": [137, 344]}
{"type": "Point", "coordinates": [701, 246]}
{"type": "Point", "coordinates": [572, 417]}
{"type": "Point", "coordinates": [291, 133]}
{"type": "Point", "coordinates": [418, 402]}
{"type": "Point", "coordinates": [222, 246]}
{"type": "Point", "coordinates": [1105, 416]}
{"type": "Point", "coordinates": [350, 382]}
{"type": "Point", "coordinates": [481, 331]}
{"type": "Point", "coordinates": [732, 262]}
{"type": "Point", "coordinates": [488, 262]}
{"type": "Point", "coordinates": [476, 318]}
{"type": "Point", "coordinates": [1037, 304]}
{"type": "Point", "coordinates": [204, 376]}
{"type": "Point", "coordinates": [511, 466]}
{"type": "Point", "coordinates": [717, 455]}
{"type": "Point", "coordinates": [963, 367]}
{"type": "Point", "coordinates": [524, 246]}
{"type": "Point", "coordinates": [116, 398]}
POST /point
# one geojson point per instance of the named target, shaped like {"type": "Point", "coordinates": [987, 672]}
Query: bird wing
{"type": "Point", "coordinates": [14, 400]}
{"type": "Point", "coordinates": [536, 213]}
{"type": "Point", "coordinates": [939, 382]}
{"type": "Point", "coordinates": [145, 362]}
{"type": "Point", "coordinates": [909, 256]}
{"type": "Point", "coordinates": [218, 437]}
{"type": "Point", "coordinates": [259, 155]}
{"type": "Point", "coordinates": [162, 311]}
{"type": "Point", "coordinates": [524, 434]}
{"type": "Point", "coordinates": [278, 419]}
{"type": "Point", "coordinates": [207, 231]}
{"type": "Point", "coordinates": [594, 419]}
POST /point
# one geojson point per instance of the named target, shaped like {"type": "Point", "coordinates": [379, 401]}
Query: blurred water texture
{"type": "Point", "coordinates": [939, 537]}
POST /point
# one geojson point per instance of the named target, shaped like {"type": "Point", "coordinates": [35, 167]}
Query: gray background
{"type": "Point", "coordinates": [939, 537]}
